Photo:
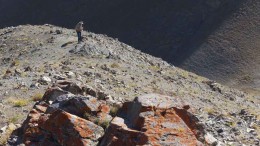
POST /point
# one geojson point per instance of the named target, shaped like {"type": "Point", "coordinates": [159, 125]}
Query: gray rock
{"type": "Point", "coordinates": [3, 129]}
{"type": "Point", "coordinates": [58, 31]}
{"type": "Point", "coordinates": [45, 80]}
{"type": "Point", "coordinates": [91, 50]}
{"type": "Point", "coordinates": [70, 74]}
{"type": "Point", "coordinates": [59, 77]}
{"type": "Point", "coordinates": [211, 140]}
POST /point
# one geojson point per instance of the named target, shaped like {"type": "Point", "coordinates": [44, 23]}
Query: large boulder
{"type": "Point", "coordinates": [154, 120]}
{"type": "Point", "coordinates": [59, 118]}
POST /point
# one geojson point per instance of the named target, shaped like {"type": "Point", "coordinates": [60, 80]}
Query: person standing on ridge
{"type": "Point", "coordinates": [79, 29]}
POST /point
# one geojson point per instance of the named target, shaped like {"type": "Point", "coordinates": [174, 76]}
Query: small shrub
{"type": "Point", "coordinates": [154, 68]}
{"type": "Point", "coordinates": [15, 63]}
{"type": "Point", "coordinates": [21, 103]}
{"type": "Point", "coordinates": [113, 111]}
{"type": "Point", "coordinates": [210, 110]}
{"type": "Point", "coordinates": [13, 119]}
{"type": "Point", "coordinates": [184, 74]}
{"type": "Point", "coordinates": [115, 65]}
{"type": "Point", "coordinates": [104, 124]}
{"type": "Point", "coordinates": [246, 78]}
{"type": "Point", "coordinates": [18, 102]}
{"type": "Point", "coordinates": [96, 121]}
{"type": "Point", "coordinates": [87, 116]}
{"type": "Point", "coordinates": [37, 97]}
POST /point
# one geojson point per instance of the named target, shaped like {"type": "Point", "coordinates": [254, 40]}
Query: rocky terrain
{"type": "Point", "coordinates": [218, 39]}
{"type": "Point", "coordinates": [34, 58]}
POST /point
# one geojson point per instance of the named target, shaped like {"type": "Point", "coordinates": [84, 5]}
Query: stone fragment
{"type": "Point", "coordinates": [70, 87]}
{"type": "Point", "coordinates": [45, 80]}
{"type": "Point", "coordinates": [210, 140]}
{"type": "Point", "coordinates": [58, 31]}
{"type": "Point", "coordinates": [52, 94]}
{"type": "Point", "coordinates": [118, 134]}
{"type": "Point", "coordinates": [59, 77]}
{"type": "Point", "coordinates": [70, 74]}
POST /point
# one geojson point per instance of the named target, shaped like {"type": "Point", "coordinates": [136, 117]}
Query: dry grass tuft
{"type": "Point", "coordinates": [37, 97]}
{"type": "Point", "coordinates": [18, 102]}
{"type": "Point", "coordinates": [114, 65]}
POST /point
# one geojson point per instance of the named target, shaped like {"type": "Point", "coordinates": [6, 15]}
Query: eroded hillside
{"type": "Point", "coordinates": [35, 57]}
{"type": "Point", "coordinates": [218, 39]}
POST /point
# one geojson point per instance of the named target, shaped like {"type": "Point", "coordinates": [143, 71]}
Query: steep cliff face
{"type": "Point", "coordinates": [214, 38]}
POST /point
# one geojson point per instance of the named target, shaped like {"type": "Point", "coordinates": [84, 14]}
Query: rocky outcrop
{"type": "Point", "coordinates": [153, 120]}
{"type": "Point", "coordinates": [69, 115]}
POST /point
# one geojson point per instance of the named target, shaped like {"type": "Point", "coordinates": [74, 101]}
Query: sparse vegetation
{"type": "Point", "coordinates": [246, 78]}
{"type": "Point", "coordinates": [154, 68]}
{"type": "Point", "coordinates": [4, 137]}
{"type": "Point", "coordinates": [18, 102]}
{"type": "Point", "coordinates": [209, 110]}
{"type": "Point", "coordinates": [13, 119]}
{"type": "Point", "coordinates": [113, 111]}
{"type": "Point", "coordinates": [21, 103]}
{"type": "Point", "coordinates": [87, 115]}
{"type": "Point", "coordinates": [103, 123]}
{"type": "Point", "coordinates": [15, 63]}
{"type": "Point", "coordinates": [114, 65]}
{"type": "Point", "coordinates": [37, 97]}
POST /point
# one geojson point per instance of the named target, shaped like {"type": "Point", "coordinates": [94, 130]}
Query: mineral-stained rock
{"type": "Point", "coordinates": [152, 120]}
{"type": "Point", "coordinates": [58, 119]}
{"type": "Point", "coordinates": [70, 129]}
{"type": "Point", "coordinates": [59, 127]}
{"type": "Point", "coordinates": [62, 118]}
{"type": "Point", "coordinates": [119, 134]}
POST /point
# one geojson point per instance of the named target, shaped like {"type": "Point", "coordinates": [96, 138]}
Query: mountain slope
{"type": "Point", "coordinates": [231, 54]}
{"type": "Point", "coordinates": [34, 57]}
{"type": "Point", "coordinates": [214, 38]}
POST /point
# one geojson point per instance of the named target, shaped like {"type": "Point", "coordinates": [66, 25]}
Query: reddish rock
{"type": "Point", "coordinates": [148, 120]}
{"type": "Point", "coordinates": [58, 122]}
{"type": "Point", "coordinates": [118, 134]}
{"type": "Point", "coordinates": [70, 129]}
{"type": "Point", "coordinates": [152, 120]}
{"type": "Point", "coordinates": [61, 127]}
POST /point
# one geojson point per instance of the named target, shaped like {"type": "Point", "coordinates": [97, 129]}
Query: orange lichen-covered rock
{"type": "Point", "coordinates": [62, 128]}
{"type": "Point", "coordinates": [152, 120]}
{"type": "Point", "coordinates": [60, 122]}
{"type": "Point", "coordinates": [65, 119]}
{"type": "Point", "coordinates": [69, 128]}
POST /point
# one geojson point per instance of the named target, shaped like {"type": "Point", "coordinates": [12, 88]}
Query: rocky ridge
{"type": "Point", "coordinates": [217, 39]}
{"type": "Point", "coordinates": [35, 57]}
